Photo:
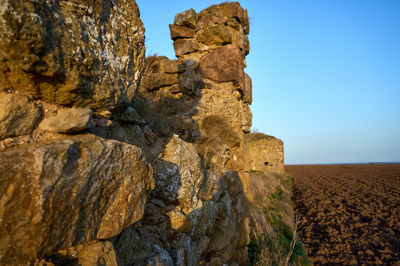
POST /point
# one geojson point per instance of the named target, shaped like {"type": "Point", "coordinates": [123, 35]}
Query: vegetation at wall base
{"type": "Point", "coordinates": [274, 227]}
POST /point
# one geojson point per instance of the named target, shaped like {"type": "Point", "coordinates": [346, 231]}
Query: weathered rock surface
{"type": "Point", "coordinates": [223, 64]}
{"type": "Point", "coordinates": [68, 120]}
{"type": "Point", "coordinates": [182, 176]}
{"type": "Point", "coordinates": [81, 53]}
{"type": "Point", "coordinates": [68, 191]}
{"type": "Point", "coordinates": [18, 115]}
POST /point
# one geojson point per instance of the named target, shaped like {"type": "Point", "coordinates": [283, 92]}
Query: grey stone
{"type": "Point", "coordinates": [130, 116]}
{"type": "Point", "coordinates": [102, 122]}
{"type": "Point", "coordinates": [179, 175]}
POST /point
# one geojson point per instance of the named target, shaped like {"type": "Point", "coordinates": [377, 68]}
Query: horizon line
{"type": "Point", "coordinates": [342, 163]}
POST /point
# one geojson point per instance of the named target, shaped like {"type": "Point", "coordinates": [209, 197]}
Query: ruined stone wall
{"type": "Point", "coordinates": [208, 77]}
{"type": "Point", "coordinates": [265, 153]}
{"type": "Point", "coordinates": [208, 94]}
{"type": "Point", "coordinates": [106, 157]}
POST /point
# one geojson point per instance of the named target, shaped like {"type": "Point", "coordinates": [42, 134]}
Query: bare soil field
{"type": "Point", "coordinates": [350, 213]}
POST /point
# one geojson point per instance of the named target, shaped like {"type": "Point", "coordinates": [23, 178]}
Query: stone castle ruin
{"type": "Point", "coordinates": [108, 157]}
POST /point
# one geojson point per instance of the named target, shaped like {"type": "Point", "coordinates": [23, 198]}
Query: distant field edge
{"type": "Point", "coordinates": [342, 163]}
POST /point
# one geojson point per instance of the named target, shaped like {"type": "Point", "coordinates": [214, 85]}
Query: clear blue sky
{"type": "Point", "coordinates": [326, 73]}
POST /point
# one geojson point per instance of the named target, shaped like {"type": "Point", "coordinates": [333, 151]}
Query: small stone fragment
{"type": "Point", "coordinates": [69, 121]}
{"type": "Point", "coordinates": [247, 89]}
{"type": "Point", "coordinates": [105, 113]}
{"type": "Point", "coordinates": [369, 252]}
{"type": "Point", "coordinates": [149, 134]}
{"type": "Point", "coordinates": [8, 143]}
{"type": "Point", "coordinates": [102, 122]}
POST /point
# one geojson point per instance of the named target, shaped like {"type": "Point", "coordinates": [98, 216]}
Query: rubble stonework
{"type": "Point", "coordinates": [106, 157]}
{"type": "Point", "coordinates": [208, 80]}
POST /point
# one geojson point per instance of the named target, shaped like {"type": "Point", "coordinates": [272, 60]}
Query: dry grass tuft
{"type": "Point", "coordinates": [216, 136]}
{"type": "Point", "coordinates": [217, 127]}
{"type": "Point", "coordinates": [163, 115]}
{"type": "Point", "coordinates": [274, 229]}
{"type": "Point", "coordinates": [260, 225]}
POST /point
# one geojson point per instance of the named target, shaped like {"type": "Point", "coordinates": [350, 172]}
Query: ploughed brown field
{"type": "Point", "coordinates": [350, 213]}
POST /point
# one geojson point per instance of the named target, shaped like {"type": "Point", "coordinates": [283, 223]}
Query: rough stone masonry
{"type": "Point", "coordinates": [110, 158]}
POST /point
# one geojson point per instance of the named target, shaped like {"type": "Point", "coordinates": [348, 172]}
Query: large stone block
{"type": "Point", "coordinates": [80, 53]}
{"type": "Point", "coordinates": [178, 32]}
{"type": "Point", "coordinates": [215, 35]}
{"type": "Point", "coordinates": [221, 14]}
{"type": "Point", "coordinates": [68, 120]}
{"type": "Point", "coordinates": [179, 175]}
{"type": "Point", "coordinates": [186, 18]}
{"type": "Point", "coordinates": [66, 192]}
{"type": "Point", "coordinates": [18, 115]}
{"type": "Point", "coordinates": [185, 46]}
{"type": "Point", "coordinates": [223, 64]}
{"type": "Point", "coordinates": [158, 80]}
